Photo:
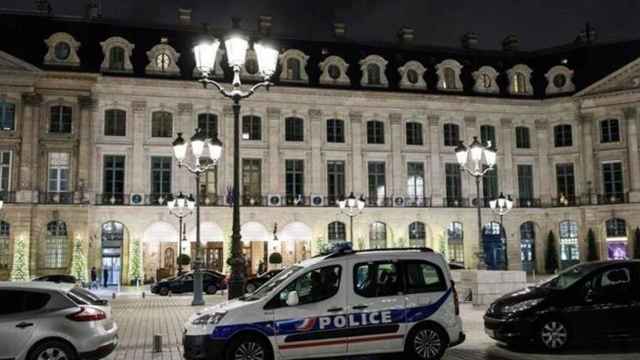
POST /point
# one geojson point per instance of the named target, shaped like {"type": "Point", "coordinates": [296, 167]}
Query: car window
{"type": "Point", "coordinates": [313, 286]}
{"type": "Point", "coordinates": [377, 279]}
{"type": "Point", "coordinates": [422, 277]}
{"type": "Point", "coordinates": [17, 301]}
{"type": "Point", "coordinates": [187, 278]}
{"type": "Point", "coordinates": [613, 282]}
{"type": "Point", "coordinates": [81, 297]}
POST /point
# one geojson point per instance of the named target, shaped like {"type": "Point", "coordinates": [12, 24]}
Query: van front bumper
{"type": "Point", "coordinates": [202, 347]}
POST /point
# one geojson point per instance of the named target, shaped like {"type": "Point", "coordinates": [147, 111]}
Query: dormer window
{"type": "Point", "coordinates": [449, 75]}
{"type": "Point", "coordinates": [520, 80]}
{"type": "Point", "coordinates": [412, 76]}
{"type": "Point", "coordinates": [293, 69]}
{"type": "Point", "coordinates": [116, 58]}
{"type": "Point", "coordinates": [293, 63]}
{"type": "Point", "coordinates": [63, 50]}
{"type": "Point", "coordinates": [163, 60]}
{"type": "Point", "coordinates": [117, 55]}
{"type": "Point", "coordinates": [449, 79]}
{"type": "Point", "coordinates": [559, 80]}
{"type": "Point", "coordinates": [373, 71]}
{"type": "Point", "coordinates": [485, 80]}
{"type": "Point", "coordinates": [334, 71]}
{"type": "Point", "coordinates": [519, 84]}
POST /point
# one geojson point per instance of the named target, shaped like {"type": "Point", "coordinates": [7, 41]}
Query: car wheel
{"type": "Point", "coordinates": [52, 350]}
{"type": "Point", "coordinates": [553, 335]}
{"type": "Point", "coordinates": [249, 348]}
{"type": "Point", "coordinates": [251, 288]}
{"type": "Point", "coordinates": [427, 342]}
{"type": "Point", "coordinates": [212, 289]}
{"type": "Point", "coordinates": [163, 291]}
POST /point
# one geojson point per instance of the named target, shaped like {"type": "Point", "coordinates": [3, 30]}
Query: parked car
{"type": "Point", "coordinates": [212, 281]}
{"type": "Point", "coordinates": [59, 278]}
{"type": "Point", "coordinates": [43, 320]}
{"type": "Point", "coordinates": [254, 282]}
{"type": "Point", "coordinates": [597, 301]}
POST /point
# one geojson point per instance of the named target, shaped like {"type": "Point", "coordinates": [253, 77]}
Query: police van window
{"type": "Point", "coordinates": [423, 277]}
{"type": "Point", "coordinates": [312, 286]}
{"type": "Point", "coordinates": [377, 279]}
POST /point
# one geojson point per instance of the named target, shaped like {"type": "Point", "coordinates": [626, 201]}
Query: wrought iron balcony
{"type": "Point", "coordinates": [455, 202]}
{"type": "Point", "coordinates": [8, 197]}
{"type": "Point", "coordinates": [613, 198]}
{"type": "Point", "coordinates": [528, 203]}
{"type": "Point", "coordinates": [56, 198]}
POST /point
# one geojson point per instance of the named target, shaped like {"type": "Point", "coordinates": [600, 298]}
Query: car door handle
{"type": "Point", "coordinates": [360, 307]}
{"type": "Point", "coordinates": [23, 325]}
{"type": "Point", "coordinates": [337, 309]}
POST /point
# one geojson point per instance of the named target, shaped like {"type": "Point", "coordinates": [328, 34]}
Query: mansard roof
{"type": "Point", "coordinates": [24, 35]}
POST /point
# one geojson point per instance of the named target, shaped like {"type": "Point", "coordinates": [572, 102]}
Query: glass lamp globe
{"type": "Point", "coordinates": [197, 143]}
{"type": "Point", "coordinates": [351, 201]}
{"type": "Point", "coordinates": [179, 148]}
{"type": "Point", "coordinates": [191, 202]}
{"type": "Point", "coordinates": [205, 54]}
{"type": "Point", "coordinates": [476, 150]}
{"type": "Point", "coordinates": [267, 58]}
{"type": "Point", "coordinates": [361, 202]}
{"type": "Point", "coordinates": [490, 156]}
{"type": "Point", "coordinates": [215, 149]}
{"type": "Point", "coordinates": [461, 154]}
{"type": "Point", "coordinates": [236, 45]}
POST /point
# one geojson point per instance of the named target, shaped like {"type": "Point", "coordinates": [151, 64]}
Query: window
{"type": "Point", "coordinates": [335, 131]}
{"type": "Point", "coordinates": [490, 184]}
{"type": "Point", "coordinates": [116, 58]}
{"type": "Point", "coordinates": [17, 301]}
{"type": "Point", "coordinates": [60, 120]}
{"type": "Point", "coordinates": [337, 232]}
{"type": "Point", "coordinates": [57, 247]}
{"type": "Point", "coordinates": [488, 134]}
{"type": "Point", "coordinates": [252, 178]}
{"type": "Point", "coordinates": [163, 61]}
{"type": "Point", "coordinates": [161, 124]}
{"type": "Point", "coordinates": [293, 69]}
{"type": "Point", "coordinates": [113, 182]}
{"type": "Point", "coordinates": [115, 123]}
{"type": "Point", "coordinates": [453, 182]}
{"type": "Point", "coordinates": [615, 285]}
{"type": "Point", "coordinates": [377, 235]}
{"type": "Point", "coordinates": [377, 279]}
{"type": "Point", "coordinates": [334, 71]}
{"type": "Point", "coordinates": [612, 182]}
{"type": "Point", "coordinates": [609, 131]}
{"type": "Point", "coordinates": [451, 135]}
{"type": "Point", "coordinates": [414, 133]}
{"type": "Point", "coordinates": [522, 138]}
{"type": "Point", "coordinates": [519, 83]}
{"type": "Point", "coordinates": [423, 277]}
{"type": "Point", "coordinates": [373, 74]}
{"type": "Point", "coordinates": [415, 181]}
{"type": "Point", "coordinates": [160, 175]}
{"type": "Point", "coordinates": [5, 170]}
{"type": "Point", "coordinates": [112, 234]}
{"type": "Point", "coordinates": [58, 172]}
{"type": "Point", "coordinates": [62, 50]}
{"type": "Point", "coordinates": [294, 129]}
{"type": "Point", "coordinates": [7, 116]}
{"type": "Point", "coordinates": [5, 257]}
{"type": "Point", "coordinates": [527, 246]}
{"type": "Point", "coordinates": [335, 179]}
{"type": "Point", "coordinates": [377, 181]}
{"type": "Point", "coordinates": [525, 183]}
{"type": "Point", "coordinates": [417, 234]}
{"type": "Point", "coordinates": [616, 228]}
{"type": "Point", "coordinates": [251, 127]}
{"type": "Point", "coordinates": [209, 185]}
{"type": "Point", "coordinates": [294, 178]}
{"type": "Point", "coordinates": [566, 181]}
{"type": "Point", "coordinates": [562, 135]}
{"type": "Point", "coordinates": [375, 132]}
{"type": "Point", "coordinates": [569, 251]}
{"type": "Point", "coordinates": [449, 78]}
{"type": "Point", "coordinates": [208, 123]}
{"type": "Point", "coordinates": [313, 286]}
{"type": "Point", "coordinates": [455, 243]}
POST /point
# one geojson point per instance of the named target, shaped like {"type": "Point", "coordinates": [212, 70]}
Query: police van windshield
{"type": "Point", "coordinates": [272, 284]}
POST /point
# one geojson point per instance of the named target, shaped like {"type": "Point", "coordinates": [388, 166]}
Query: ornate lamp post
{"type": "Point", "coordinates": [352, 207]}
{"type": "Point", "coordinates": [501, 206]}
{"type": "Point", "coordinates": [476, 152]}
{"type": "Point", "coordinates": [197, 168]}
{"type": "Point", "coordinates": [181, 207]}
{"type": "Point", "coordinates": [236, 45]}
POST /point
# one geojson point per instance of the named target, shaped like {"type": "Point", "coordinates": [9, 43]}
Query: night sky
{"type": "Point", "coordinates": [538, 23]}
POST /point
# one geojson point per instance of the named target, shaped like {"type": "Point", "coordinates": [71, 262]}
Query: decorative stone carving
{"type": "Point", "coordinates": [412, 75]}
{"type": "Point", "coordinates": [87, 102]}
{"type": "Point", "coordinates": [520, 80]}
{"type": "Point", "coordinates": [355, 117]}
{"type": "Point", "coordinates": [449, 75]}
{"type": "Point", "coordinates": [288, 74]}
{"type": "Point", "coordinates": [185, 108]}
{"type": "Point", "coordinates": [62, 50]}
{"type": "Point", "coordinates": [273, 112]}
{"type": "Point", "coordinates": [505, 122]}
{"type": "Point", "coordinates": [334, 71]}
{"type": "Point", "coordinates": [109, 64]}
{"type": "Point", "coordinates": [315, 113]}
{"type": "Point", "coordinates": [163, 59]}
{"type": "Point", "coordinates": [395, 118]}
{"type": "Point", "coordinates": [470, 121]}
{"type": "Point", "coordinates": [32, 99]}
{"type": "Point", "coordinates": [485, 80]}
{"type": "Point", "coordinates": [541, 124]}
{"type": "Point", "coordinates": [559, 80]}
{"type": "Point", "coordinates": [434, 120]}
{"type": "Point", "coordinates": [139, 105]}
{"type": "Point", "coordinates": [378, 66]}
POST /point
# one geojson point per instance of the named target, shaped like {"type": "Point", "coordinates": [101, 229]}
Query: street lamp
{"type": "Point", "coordinates": [181, 207]}
{"type": "Point", "coordinates": [198, 143]}
{"type": "Point", "coordinates": [501, 206]}
{"type": "Point", "coordinates": [352, 207]}
{"type": "Point", "coordinates": [476, 153]}
{"type": "Point", "coordinates": [236, 46]}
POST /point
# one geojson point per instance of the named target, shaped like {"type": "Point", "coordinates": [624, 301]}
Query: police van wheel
{"type": "Point", "coordinates": [249, 348]}
{"type": "Point", "coordinates": [426, 342]}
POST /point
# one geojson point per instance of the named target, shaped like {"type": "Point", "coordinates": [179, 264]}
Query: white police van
{"type": "Point", "coordinates": [340, 304]}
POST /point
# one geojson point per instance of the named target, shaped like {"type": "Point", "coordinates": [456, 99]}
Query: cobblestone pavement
{"type": "Point", "coordinates": [139, 319]}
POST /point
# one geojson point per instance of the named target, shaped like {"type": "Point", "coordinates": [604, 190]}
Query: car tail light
{"type": "Point", "coordinates": [456, 300]}
{"type": "Point", "coordinates": [87, 314]}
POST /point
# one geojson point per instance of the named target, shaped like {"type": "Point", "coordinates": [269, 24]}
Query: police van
{"type": "Point", "coordinates": [339, 304]}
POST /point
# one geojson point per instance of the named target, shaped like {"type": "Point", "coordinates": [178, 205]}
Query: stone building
{"type": "Point", "coordinates": [89, 108]}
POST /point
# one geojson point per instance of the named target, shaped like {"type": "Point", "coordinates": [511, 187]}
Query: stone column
{"type": "Point", "coordinates": [505, 168]}
{"type": "Point", "coordinates": [589, 182]}
{"type": "Point", "coordinates": [139, 135]}
{"type": "Point", "coordinates": [184, 181]}
{"type": "Point", "coordinates": [357, 168]}
{"type": "Point", "coordinates": [86, 150]}
{"type": "Point", "coordinates": [631, 115]}
{"type": "Point", "coordinates": [437, 177]}
{"type": "Point", "coordinates": [315, 175]}
{"type": "Point", "coordinates": [29, 147]}
{"type": "Point", "coordinates": [468, 182]}
{"type": "Point", "coordinates": [273, 136]}
{"type": "Point", "coordinates": [545, 174]}
{"type": "Point", "coordinates": [397, 178]}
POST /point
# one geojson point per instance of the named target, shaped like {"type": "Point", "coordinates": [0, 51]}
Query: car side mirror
{"type": "Point", "coordinates": [292, 298]}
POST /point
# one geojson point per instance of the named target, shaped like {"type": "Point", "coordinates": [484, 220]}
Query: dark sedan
{"type": "Point", "coordinates": [591, 302]}
{"type": "Point", "coordinates": [212, 281]}
{"type": "Point", "coordinates": [254, 282]}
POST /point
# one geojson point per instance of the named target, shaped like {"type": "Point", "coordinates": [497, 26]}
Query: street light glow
{"type": "Point", "coordinates": [236, 46]}
{"type": "Point", "coordinates": [267, 59]}
{"type": "Point", "coordinates": [205, 54]}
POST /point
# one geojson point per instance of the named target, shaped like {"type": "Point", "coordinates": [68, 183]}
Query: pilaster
{"type": "Point", "coordinates": [397, 180]}
{"type": "Point", "coordinates": [545, 174]}
{"type": "Point", "coordinates": [506, 165]}
{"type": "Point", "coordinates": [315, 117]}
{"type": "Point", "coordinates": [29, 147]}
{"type": "Point", "coordinates": [631, 117]}
{"type": "Point", "coordinates": [276, 169]}
{"type": "Point", "coordinates": [437, 176]}
{"type": "Point", "coordinates": [86, 150]}
{"type": "Point", "coordinates": [185, 124]}
{"type": "Point", "coordinates": [356, 141]}
{"type": "Point", "coordinates": [586, 125]}
{"type": "Point", "coordinates": [468, 182]}
{"type": "Point", "coordinates": [137, 170]}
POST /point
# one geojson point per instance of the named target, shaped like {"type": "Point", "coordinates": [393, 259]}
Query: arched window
{"type": "Point", "coordinates": [449, 78]}
{"type": "Point", "coordinates": [451, 135]}
{"type": "Point", "coordinates": [293, 129]}
{"type": "Point", "coordinates": [609, 131]}
{"type": "Point", "coordinates": [161, 124]}
{"type": "Point", "coordinates": [455, 243]}
{"type": "Point", "coordinates": [57, 245]}
{"type": "Point", "coordinates": [562, 135]}
{"type": "Point", "coordinates": [60, 119]}
{"type": "Point", "coordinates": [417, 234]}
{"type": "Point", "coordinates": [378, 235]}
{"type": "Point", "coordinates": [293, 68]}
{"type": "Point", "coordinates": [373, 74]}
{"type": "Point", "coordinates": [335, 131]}
{"type": "Point", "coordinates": [375, 132]}
{"type": "Point", "coordinates": [115, 122]}
{"type": "Point", "coordinates": [5, 232]}
{"type": "Point", "coordinates": [519, 83]}
{"type": "Point", "coordinates": [116, 58]}
{"type": "Point", "coordinates": [251, 127]}
{"type": "Point", "coordinates": [492, 228]}
{"type": "Point", "coordinates": [209, 124]}
{"type": "Point", "coordinates": [617, 239]}
{"type": "Point", "coordinates": [112, 233]}
{"type": "Point", "coordinates": [616, 228]}
{"type": "Point", "coordinates": [337, 232]}
{"type": "Point", "coordinates": [527, 246]}
{"type": "Point", "coordinates": [569, 250]}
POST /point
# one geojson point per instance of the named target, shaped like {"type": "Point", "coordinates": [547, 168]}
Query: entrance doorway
{"type": "Point", "coordinates": [617, 239]}
{"type": "Point", "coordinates": [213, 256]}
{"type": "Point", "coordinates": [112, 237]}
{"type": "Point", "coordinates": [494, 240]}
{"type": "Point", "coordinates": [528, 247]}
{"type": "Point", "coordinates": [111, 264]}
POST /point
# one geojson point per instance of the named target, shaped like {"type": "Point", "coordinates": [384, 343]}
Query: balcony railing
{"type": "Point", "coordinates": [528, 203]}
{"type": "Point", "coordinates": [56, 198]}
{"type": "Point", "coordinates": [455, 202]}
{"type": "Point", "coordinates": [614, 198]}
{"type": "Point", "coordinates": [8, 196]}
{"type": "Point", "coordinates": [116, 199]}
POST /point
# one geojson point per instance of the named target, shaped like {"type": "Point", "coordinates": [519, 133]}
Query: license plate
{"type": "Point", "coordinates": [489, 332]}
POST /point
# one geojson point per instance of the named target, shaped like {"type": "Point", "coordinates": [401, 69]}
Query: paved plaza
{"type": "Point", "coordinates": [139, 319]}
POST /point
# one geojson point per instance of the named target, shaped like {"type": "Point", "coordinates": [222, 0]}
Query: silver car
{"type": "Point", "coordinates": [48, 321]}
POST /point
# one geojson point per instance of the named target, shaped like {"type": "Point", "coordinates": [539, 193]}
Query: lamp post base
{"type": "Point", "coordinates": [198, 298]}
{"type": "Point", "coordinates": [237, 277]}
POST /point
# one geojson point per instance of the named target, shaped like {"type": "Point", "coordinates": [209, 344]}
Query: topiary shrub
{"type": "Point", "coordinates": [592, 246]}
{"type": "Point", "coordinates": [551, 256]}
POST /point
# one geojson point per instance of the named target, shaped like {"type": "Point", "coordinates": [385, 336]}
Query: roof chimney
{"type": "Point", "coordinates": [470, 40]}
{"type": "Point", "coordinates": [339, 30]}
{"type": "Point", "coordinates": [184, 16]}
{"type": "Point", "coordinates": [43, 6]}
{"type": "Point", "coordinates": [588, 35]}
{"type": "Point", "coordinates": [406, 35]}
{"type": "Point", "coordinates": [94, 10]}
{"type": "Point", "coordinates": [510, 43]}
{"type": "Point", "coordinates": [264, 25]}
